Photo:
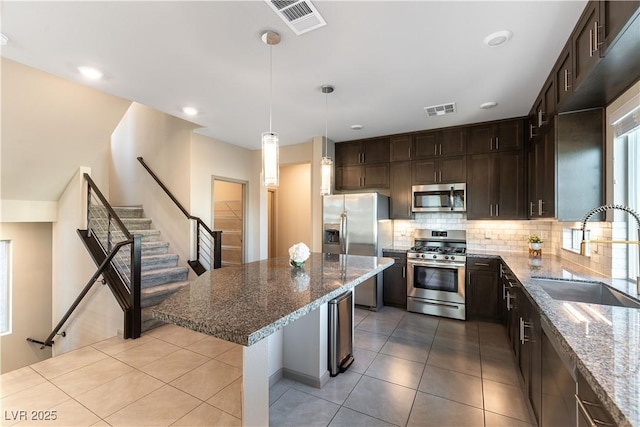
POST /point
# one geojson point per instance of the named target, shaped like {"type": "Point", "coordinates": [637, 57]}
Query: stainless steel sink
{"type": "Point", "coordinates": [588, 292]}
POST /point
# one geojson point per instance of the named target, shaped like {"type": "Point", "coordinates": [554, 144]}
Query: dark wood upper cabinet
{"type": "Point", "coordinates": [400, 190]}
{"type": "Point", "coordinates": [400, 148]}
{"type": "Point", "coordinates": [365, 151]}
{"type": "Point", "coordinates": [614, 15]}
{"type": "Point", "coordinates": [586, 43]}
{"type": "Point", "coordinates": [439, 170]}
{"type": "Point", "coordinates": [440, 143]}
{"type": "Point", "coordinates": [497, 136]}
{"type": "Point", "coordinates": [564, 75]}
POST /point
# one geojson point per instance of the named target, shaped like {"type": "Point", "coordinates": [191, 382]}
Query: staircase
{"type": "Point", "coordinates": [227, 217]}
{"type": "Point", "coordinates": [161, 276]}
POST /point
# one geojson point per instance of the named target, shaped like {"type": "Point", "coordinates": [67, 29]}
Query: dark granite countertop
{"type": "Point", "coordinates": [606, 349]}
{"type": "Point", "coordinates": [246, 303]}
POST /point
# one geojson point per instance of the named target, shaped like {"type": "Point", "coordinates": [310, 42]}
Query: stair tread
{"type": "Point", "coordinates": [164, 271]}
{"type": "Point", "coordinates": [163, 288]}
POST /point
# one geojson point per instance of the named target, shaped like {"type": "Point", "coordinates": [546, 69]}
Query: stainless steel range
{"type": "Point", "coordinates": [436, 273]}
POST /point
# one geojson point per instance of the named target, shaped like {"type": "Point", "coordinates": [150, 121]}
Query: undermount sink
{"type": "Point", "coordinates": [587, 292]}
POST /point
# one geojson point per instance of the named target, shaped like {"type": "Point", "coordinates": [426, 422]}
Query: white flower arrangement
{"type": "Point", "coordinates": [298, 254]}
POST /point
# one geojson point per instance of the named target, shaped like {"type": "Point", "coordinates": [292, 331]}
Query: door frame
{"type": "Point", "coordinates": [244, 185]}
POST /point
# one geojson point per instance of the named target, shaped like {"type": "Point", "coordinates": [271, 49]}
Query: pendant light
{"type": "Point", "coordinates": [270, 149]}
{"type": "Point", "coordinates": [326, 164]}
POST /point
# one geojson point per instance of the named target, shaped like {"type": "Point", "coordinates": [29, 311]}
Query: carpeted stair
{"type": "Point", "coordinates": [161, 275]}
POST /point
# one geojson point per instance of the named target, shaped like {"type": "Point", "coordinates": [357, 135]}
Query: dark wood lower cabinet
{"type": "Point", "coordinates": [558, 388]}
{"type": "Point", "coordinates": [394, 288]}
{"type": "Point", "coordinates": [483, 292]}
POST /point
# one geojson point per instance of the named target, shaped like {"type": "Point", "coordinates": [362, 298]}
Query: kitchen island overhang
{"type": "Point", "coordinates": [247, 303]}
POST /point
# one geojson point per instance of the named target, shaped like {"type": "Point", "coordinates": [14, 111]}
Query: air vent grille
{"type": "Point", "coordinates": [301, 16]}
{"type": "Point", "coordinates": [440, 110]}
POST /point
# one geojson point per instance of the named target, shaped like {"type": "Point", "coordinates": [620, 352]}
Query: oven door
{"type": "Point", "coordinates": [436, 281]}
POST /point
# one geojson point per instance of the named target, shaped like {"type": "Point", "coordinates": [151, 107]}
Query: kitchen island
{"type": "Point", "coordinates": [247, 303]}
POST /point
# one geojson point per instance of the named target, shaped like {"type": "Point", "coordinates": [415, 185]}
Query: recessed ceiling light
{"type": "Point", "coordinates": [488, 105]}
{"type": "Point", "coordinates": [3, 39]}
{"type": "Point", "coordinates": [498, 38]}
{"type": "Point", "coordinates": [91, 73]}
{"type": "Point", "coordinates": [189, 111]}
{"type": "Point", "coordinates": [357, 127]}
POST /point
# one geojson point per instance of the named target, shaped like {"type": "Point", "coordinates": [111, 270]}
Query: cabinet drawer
{"type": "Point", "coordinates": [482, 264]}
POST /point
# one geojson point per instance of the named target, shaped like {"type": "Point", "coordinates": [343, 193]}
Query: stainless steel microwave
{"type": "Point", "coordinates": [439, 198]}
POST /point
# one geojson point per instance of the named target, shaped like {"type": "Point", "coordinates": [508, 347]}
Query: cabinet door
{"type": "Point", "coordinates": [614, 16]}
{"type": "Point", "coordinates": [425, 171]}
{"type": "Point", "coordinates": [564, 76]}
{"type": "Point", "coordinates": [510, 195]}
{"type": "Point", "coordinates": [400, 148]}
{"type": "Point", "coordinates": [425, 145]}
{"type": "Point", "coordinates": [558, 399]}
{"type": "Point", "coordinates": [349, 178]}
{"type": "Point", "coordinates": [453, 142]}
{"type": "Point", "coordinates": [348, 153]}
{"type": "Point", "coordinates": [479, 186]}
{"type": "Point", "coordinates": [375, 150]}
{"type": "Point", "coordinates": [376, 176]}
{"type": "Point", "coordinates": [549, 97]}
{"type": "Point", "coordinates": [400, 190]}
{"type": "Point", "coordinates": [480, 139]}
{"type": "Point", "coordinates": [482, 295]}
{"type": "Point", "coordinates": [585, 44]}
{"type": "Point", "coordinates": [508, 135]}
{"type": "Point", "coordinates": [395, 281]}
{"type": "Point", "coordinates": [547, 170]}
{"type": "Point", "coordinates": [452, 169]}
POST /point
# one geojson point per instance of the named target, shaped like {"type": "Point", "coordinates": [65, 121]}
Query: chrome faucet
{"type": "Point", "coordinates": [634, 214]}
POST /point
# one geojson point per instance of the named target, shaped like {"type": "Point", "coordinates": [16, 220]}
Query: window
{"type": "Point", "coordinates": [626, 188]}
{"type": "Point", "coordinates": [5, 287]}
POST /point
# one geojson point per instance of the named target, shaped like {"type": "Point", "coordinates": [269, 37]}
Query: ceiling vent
{"type": "Point", "coordinates": [301, 16]}
{"type": "Point", "coordinates": [440, 110]}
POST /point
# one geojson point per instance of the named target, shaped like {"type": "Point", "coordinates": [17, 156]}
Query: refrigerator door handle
{"type": "Point", "coordinates": [344, 244]}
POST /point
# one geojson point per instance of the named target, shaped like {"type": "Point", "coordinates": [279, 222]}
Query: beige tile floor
{"type": "Point", "coordinates": [410, 369]}
{"type": "Point", "coordinates": [169, 376]}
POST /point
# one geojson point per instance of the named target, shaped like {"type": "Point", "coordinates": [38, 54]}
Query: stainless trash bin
{"type": "Point", "coordinates": [340, 333]}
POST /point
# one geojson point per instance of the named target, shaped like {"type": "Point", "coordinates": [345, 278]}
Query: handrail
{"type": "Point", "coordinates": [82, 294]}
{"type": "Point", "coordinates": [215, 235]}
{"type": "Point", "coordinates": [106, 204]}
{"type": "Point", "coordinates": [126, 289]}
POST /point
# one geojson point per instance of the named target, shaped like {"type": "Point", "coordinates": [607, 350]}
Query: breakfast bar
{"type": "Point", "coordinates": [247, 303]}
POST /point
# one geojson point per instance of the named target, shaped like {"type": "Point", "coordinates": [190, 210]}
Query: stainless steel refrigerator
{"type": "Point", "coordinates": [358, 224]}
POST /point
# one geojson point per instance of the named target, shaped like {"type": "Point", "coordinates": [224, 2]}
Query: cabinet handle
{"type": "Point", "coordinates": [439, 176]}
{"type": "Point", "coordinates": [491, 210]}
{"type": "Point", "coordinates": [509, 297]}
{"type": "Point", "coordinates": [523, 337]}
{"type": "Point", "coordinates": [531, 134]}
{"type": "Point", "coordinates": [497, 143]}
{"type": "Point", "coordinates": [540, 118]}
{"type": "Point", "coordinates": [440, 149]}
{"type": "Point", "coordinates": [540, 204]}
{"type": "Point", "coordinates": [435, 150]}
{"type": "Point", "coordinates": [591, 50]}
{"type": "Point", "coordinates": [363, 157]}
{"type": "Point", "coordinates": [490, 143]}
{"type": "Point", "coordinates": [404, 272]}
{"type": "Point", "coordinates": [596, 32]}
{"type": "Point", "coordinates": [504, 291]}
{"type": "Point", "coordinates": [530, 208]}
{"type": "Point", "coordinates": [497, 209]}
{"type": "Point", "coordinates": [435, 176]}
{"type": "Point", "coordinates": [567, 86]}
{"type": "Point", "coordinates": [481, 264]}
{"type": "Point", "coordinates": [593, 422]}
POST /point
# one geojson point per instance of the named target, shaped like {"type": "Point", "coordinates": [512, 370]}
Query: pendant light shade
{"type": "Point", "coordinates": [270, 159]}
{"type": "Point", "coordinates": [326, 163]}
{"type": "Point", "coordinates": [270, 150]}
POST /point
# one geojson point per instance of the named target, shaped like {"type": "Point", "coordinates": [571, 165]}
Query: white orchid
{"type": "Point", "coordinates": [298, 254]}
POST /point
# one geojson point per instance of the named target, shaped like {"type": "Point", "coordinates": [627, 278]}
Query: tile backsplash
{"type": "Point", "coordinates": [606, 259]}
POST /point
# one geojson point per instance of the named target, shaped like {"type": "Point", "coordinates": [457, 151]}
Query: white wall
{"type": "Point", "coordinates": [165, 144]}
{"type": "Point", "coordinates": [293, 208]}
{"type": "Point", "coordinates": [31, 299]}
{"type": "Point", "coordinates": [211, 158]}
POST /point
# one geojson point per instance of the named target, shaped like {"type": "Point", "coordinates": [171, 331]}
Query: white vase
{"type": "Point", "coordinates": [535, 246]}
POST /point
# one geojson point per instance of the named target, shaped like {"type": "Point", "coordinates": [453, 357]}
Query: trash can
{"type": "Point", "coordinates": [340, 333]}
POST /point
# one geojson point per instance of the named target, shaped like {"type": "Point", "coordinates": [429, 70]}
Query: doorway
{"type": "Point", "coordinates": [228, 216]}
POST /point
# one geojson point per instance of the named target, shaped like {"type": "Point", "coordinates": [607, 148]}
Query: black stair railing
{"type": "Point", "coordinates": [207, 245]}
{"type": "Point", "coordinates": [117, 253]}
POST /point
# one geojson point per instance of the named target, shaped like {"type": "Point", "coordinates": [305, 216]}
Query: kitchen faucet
{"type": "Point", "coordinates": [634, 214]}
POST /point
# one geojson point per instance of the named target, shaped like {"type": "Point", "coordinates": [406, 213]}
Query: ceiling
{"type": "Point", "coordinates": [387, 60]}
